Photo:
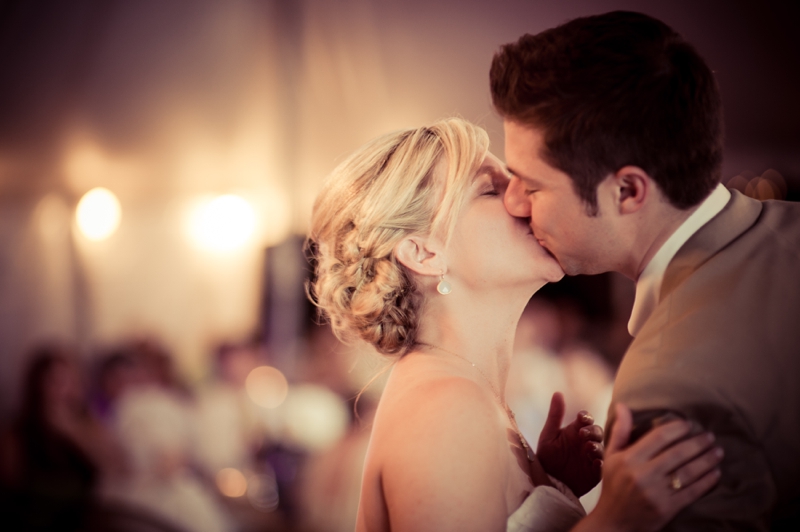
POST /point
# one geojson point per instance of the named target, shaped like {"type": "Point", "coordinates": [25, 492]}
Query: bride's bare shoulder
{"type": "Point", "coordinates": [438, 446]}
{"type": "Point", "coordinates": [427, 403]}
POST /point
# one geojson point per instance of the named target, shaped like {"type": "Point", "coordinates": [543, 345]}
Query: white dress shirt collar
{"type": "Point", "coordinates": [648, 286]}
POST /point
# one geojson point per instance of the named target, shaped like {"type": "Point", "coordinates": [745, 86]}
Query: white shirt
{"type": "Point", "coordinates": [648, 286]}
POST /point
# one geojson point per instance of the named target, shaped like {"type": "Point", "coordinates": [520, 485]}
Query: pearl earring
{"type": "Point", "coordinates": [443, 287]}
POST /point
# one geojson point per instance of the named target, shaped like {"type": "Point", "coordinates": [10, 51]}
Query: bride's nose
{"type": "Point", "coordinates": [515, 200]}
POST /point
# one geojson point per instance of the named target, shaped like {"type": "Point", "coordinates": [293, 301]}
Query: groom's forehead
{"type": "Point", "coordinates": [524, 177]}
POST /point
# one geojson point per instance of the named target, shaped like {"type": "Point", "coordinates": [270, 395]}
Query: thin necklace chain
{"type": "Point", "coordinates": [529, 454]}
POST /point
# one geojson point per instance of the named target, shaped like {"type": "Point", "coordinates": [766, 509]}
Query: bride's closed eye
{"type": "Point", "coordinates": [487, 185]}
{"type": "Point", "coordinates": [491, 181]}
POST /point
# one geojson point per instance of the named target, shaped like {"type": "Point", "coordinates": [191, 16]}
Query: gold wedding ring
{"type": "Point", "coordinates": [675, 482]}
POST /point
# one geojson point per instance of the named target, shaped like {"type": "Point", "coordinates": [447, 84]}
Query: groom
{"type": "Point", "coordinates": [613, 129]}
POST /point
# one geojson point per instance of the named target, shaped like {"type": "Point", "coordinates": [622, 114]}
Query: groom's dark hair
{"type": "Point", "coordinates": [612, 90]}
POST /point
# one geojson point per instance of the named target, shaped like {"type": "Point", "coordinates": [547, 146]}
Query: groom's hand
{"type": "Point", "coordinates": [573, 454]}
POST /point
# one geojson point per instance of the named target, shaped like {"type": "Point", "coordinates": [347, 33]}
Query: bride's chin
{"type": "Point", "coordinates": [546, 269]}
{"type": "Point", "coordinates": [534, 284]}
{"type": "Point", "coordinates": [550, 268]}
{"type": "Point", "coordinates": [552, 275]}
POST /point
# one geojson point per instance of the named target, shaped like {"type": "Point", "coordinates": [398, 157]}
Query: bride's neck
{"type": "Point", "coordinates": [474, 327]}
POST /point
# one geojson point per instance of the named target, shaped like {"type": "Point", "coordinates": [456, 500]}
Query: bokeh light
{"type": "Point", "coordinates": [266, 386]}
{"type": "Point", "coordinates": [231, 482]}
{"type": "Point", "coordinates": [315, 416]}
{"type": "Point", "coordinates": [769, 185]}
{"type": "Point", "coordinates": [223, 224]}
{"type": "Point", "coordinates": [98, 214]}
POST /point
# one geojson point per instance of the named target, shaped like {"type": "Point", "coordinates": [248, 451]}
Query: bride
{"type": "Point", "coordinates": [415, 254]}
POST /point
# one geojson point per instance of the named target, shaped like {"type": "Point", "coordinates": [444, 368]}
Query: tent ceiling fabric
{"type": "Point", "coordinates": [142, 76]}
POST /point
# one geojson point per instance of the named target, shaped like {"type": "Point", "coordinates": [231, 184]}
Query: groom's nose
{"type": "Point", "coordinates": [515, 200]}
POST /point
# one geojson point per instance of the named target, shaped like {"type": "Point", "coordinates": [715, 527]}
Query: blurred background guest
{"type": "Point", "coordinates": [230, 428]}
{"type": "Point", "coordinates": [330, 482]}
{"type": "Point", "coordinates": [56, 454]}
{"type": "Point", "coordinates": [154, 421]}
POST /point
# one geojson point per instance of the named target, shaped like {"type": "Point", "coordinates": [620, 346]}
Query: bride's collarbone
{"type": "Point", "coordinates": [427, 405]}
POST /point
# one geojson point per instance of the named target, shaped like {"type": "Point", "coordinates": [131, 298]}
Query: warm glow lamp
{"type": "Point", "coordinates": [224, 223]}
{"type": "Point", "coordinates": [98, 214]}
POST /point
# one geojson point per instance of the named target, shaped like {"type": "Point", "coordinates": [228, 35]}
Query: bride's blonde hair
{"type": "Point", "coordinates": [404, 183]}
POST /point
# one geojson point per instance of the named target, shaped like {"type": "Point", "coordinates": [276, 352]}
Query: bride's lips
{"type": "Point", "coordinates": [528, 228]}
{"type": "Point", "coordinates": [544, 245]}
{"type": "Point", "coordinates": [525, 226]}
{"type": "Point", "coordinates": [545, 248]}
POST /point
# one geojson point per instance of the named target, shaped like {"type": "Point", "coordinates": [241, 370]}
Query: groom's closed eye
{"type": "Point", "coordinates": [531, 186]}
{"type": "Point", "coordinates": [527, 187]}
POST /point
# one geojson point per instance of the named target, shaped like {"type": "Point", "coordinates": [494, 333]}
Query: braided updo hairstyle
{"type": "Point", "coordinates": [404, 183]}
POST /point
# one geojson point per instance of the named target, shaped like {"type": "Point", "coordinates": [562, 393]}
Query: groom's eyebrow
{"type": "Point", "coordinates": [514, 172]}
{"type": "Point", "coordinates": [520, 176]}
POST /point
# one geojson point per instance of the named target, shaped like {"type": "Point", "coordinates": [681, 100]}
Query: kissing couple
{"type": "Point", "coordinates": [428, 248]}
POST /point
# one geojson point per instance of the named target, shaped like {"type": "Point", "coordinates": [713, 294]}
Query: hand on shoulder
{"type": "Point", "coordinates": [647, 483]}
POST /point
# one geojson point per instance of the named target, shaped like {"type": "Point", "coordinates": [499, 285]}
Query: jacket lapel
{"type": "Point", "coordinates": [737, 217]}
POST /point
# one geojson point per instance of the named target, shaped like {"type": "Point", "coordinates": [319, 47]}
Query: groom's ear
{"type": "Point", "coordinates": [421, 255]}
{"type": "Point", "coordinates": [632, 187]}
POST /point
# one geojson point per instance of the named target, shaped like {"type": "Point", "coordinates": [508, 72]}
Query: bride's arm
{"type": "Point", "coordinates": [573, 454]}
{"type": "Point", "coordinates": [638, 492]}
{"type": "Point", "coordinates": [447, 468]}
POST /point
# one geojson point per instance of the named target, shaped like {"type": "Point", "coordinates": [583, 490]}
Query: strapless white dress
{"type": "Point", "coordinates": [547, 509]}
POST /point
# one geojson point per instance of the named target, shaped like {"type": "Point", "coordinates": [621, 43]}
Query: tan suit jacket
{"type": "Point", "coordinates": [722, 347]}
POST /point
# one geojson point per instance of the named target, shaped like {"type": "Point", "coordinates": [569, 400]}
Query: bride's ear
{"type": "Point", "coordinates": [420, 255]}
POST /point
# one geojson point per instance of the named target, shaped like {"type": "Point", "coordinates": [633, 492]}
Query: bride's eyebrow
{"type": "Point", "coordinates": [482, 174]}
{"type": "Point", "coordinates": [493, 175]}
{"type": "Point", "coordinates": [491, 172]}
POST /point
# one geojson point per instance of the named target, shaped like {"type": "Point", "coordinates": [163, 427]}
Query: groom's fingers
{"type": "Point", "coordinates": [660, 438]}
{"type": "Point", "coordinates": [554, 418]}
